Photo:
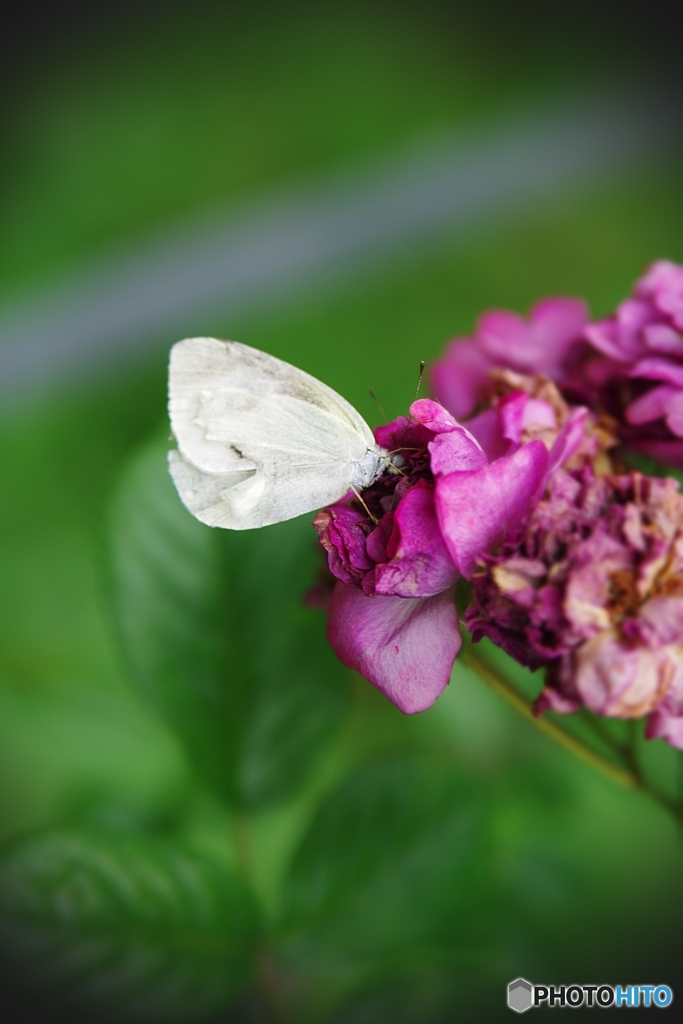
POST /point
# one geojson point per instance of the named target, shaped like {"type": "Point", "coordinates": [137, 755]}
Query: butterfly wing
{"type": "Point", "coordinates": [259, 441]}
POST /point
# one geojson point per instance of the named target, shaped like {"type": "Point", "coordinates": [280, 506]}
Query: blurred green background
{"type": "Point", "coordinates": [203, 816]}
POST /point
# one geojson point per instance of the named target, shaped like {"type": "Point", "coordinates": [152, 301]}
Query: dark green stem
{"type": "Point", "coordinates": [628, 752]}
{"type": "Point", "coordinates": [630, 774]}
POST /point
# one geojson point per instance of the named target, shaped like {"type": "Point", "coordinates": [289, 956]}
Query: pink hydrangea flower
{"type": "Point", "coordinates": [642, 365]}
{"type": "Point", "coordinates": [595, 593]}
{"type": "Point", "coordinates": [575, 566]}
{"type": "Point", "coordinates": [397, 554]}
{"type": "Point", "coordinates": [541, 344]}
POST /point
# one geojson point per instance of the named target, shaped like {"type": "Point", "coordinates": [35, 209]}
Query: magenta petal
{"type": "Point", "coordinates": [603, 336]}
{"type": "Point", "coordinates": [453, 448]}
{"type": "Point", "coordinates": [420, 566]}
{"type": "Point", "coordinates": [402, 433]}
{"type": "Point", "coordinates": [551, 699]}
{"type": "Point", "coordinates": [661, 725]}
{"type": "Point", "coordinates": [658, 275]}
{"type": "Point", "coordinates": [537, 345]}
{"type": "Point", "coordinates": [499, 430]}
{"type": "Point", "coordinates": [406, 648]}
{"type": "Point", "coordinates": [624, 680]}
{"type": "Point", "coordinates": [343, 533]}
{"type": "Point", "coordinates": [567, 441]}
{"type": "Point", "coordinates": [537, 412]}
{"type": "Point", "coordinates": [632, 316]}
{"type": "Point", "coordinates": [671, 303]}
{"type": "Point", "coordinates": [512, 409]}
{"type": "Point", "coordinates": [662, 285]}
{"type": "Point", "coordinates": [658, 368]}
{"type": "Point", "coordinates": [651, 405]}
{"type": "Point", "coordinates": [669, 452]}
{"type": "Point", "coordinates": [455, 452]}
{"type": "Point", "coordinates": [433, 416]}
{"type": "Point", "coordinates": [662, 338]}
{"type": "Point", "coordinates": [659, 622]}
{"type": "Point", "coordinates": [486, 430]}
{"type": "Point", "coordinates": [674, 414]}
{"type": "Point", "coordinates": [461, 379]}
{"type": "Point", "coordinates": [556, 324]}
{"type": "Point", "coordinates": [477, 510]}
{"type": "Point", "coordinates": [504, 336]}
{"type": "Point", "coordinates": [378, 539]}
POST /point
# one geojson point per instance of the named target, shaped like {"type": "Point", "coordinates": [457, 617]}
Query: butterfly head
{"type": "Point", "coordinates": [374, 464]}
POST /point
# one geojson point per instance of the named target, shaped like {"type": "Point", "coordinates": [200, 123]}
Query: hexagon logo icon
{"type": "Point", "coordinates": [520, 995]}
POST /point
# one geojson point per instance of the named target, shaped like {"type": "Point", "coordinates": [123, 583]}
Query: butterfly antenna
{"type": "Point", "coordinates": [373, 396]}
{"type": "Point", "coordinates": [391, 464]}
{"type": "Point", "coordinates": [419, 379]}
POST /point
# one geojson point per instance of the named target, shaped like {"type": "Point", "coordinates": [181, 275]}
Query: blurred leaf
{"type": "Point", "coordinates": [429, 992]}
{"type": "Point", "coordinates": [392, 860]}
{"type": "Point", "coordinates": [218, 639]}
{"type": "Point", "coordinates": [136, 929]}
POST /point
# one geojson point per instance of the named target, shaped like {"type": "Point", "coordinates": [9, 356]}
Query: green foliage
{"type": "Point", "coordinates": [382, 869]}
{"type": "Point", "coordinates": [167, 115]}
{"type": "Point", "coordinates": [132, 928]}
{"type": "Point", "coordinates": [413, 887]}
{"type": "Point", "coordinates": [216, 635]}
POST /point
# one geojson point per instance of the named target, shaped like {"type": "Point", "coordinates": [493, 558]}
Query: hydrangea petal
{"type": "Point", "coordinates": [650, 406]}
{"type": "Point", "coordinates": [453, 453]}
{"type": "Point", "coordinates": [542, 343]}
{"type": "Point", "coordinates": [538, 412]}
{"type": "Point", "coordinates": [669, 452]}
{"type": "Point", "coordinates": [453, 448]}
{"type": "Point", "coordinates": [343, 533]}
{"type": "Point", "coordinates": [485, 428]}
{"type": "Point", "coordinates": [665, 726]}
{"type": "Point", "coordinates": [622, 680]}
{"type": "Point", "coordinates": [644, 338]}
{"type": "Point", "coordinates": [557, 323]}
{"type": "Point", "coordinates": [567, 441]}
{"type": "Point", "coordinates": [674, 414]}
{"type": "Point", "coordinates": [632, 316]}
{"type": "Point", "coordinates": [419, 565]}
{"type": "Point", "coordinates": [659, 622]}
{"type": "Point", "coordinates": [662, 338]}
{"type": "Point", "coordinates": [404, 647]}
{"type": "Point", "coordinates": [477, 510]}
{"type": "Point", "coordinates": [434, 416]}
{"type": "Point", "coordinates": [658, 368]}
{"type": "Point", "coordinates": [604, 337]}
{"type": "Point", "coordinates": [461, 379]}
{"type": "Point", "coordinates": [551, 699]}
{"type": "Point", "coordinates": [659, 275]}
{"type": "Point", "coordinates": [539, 344]}
{"type": "Point", "coordinates": [499, 430]}
{"type": "Point", "coordinates": [502, 333]}
{"type": "Point", "coordinates": [402, 433]}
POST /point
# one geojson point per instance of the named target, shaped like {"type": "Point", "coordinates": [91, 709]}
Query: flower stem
{"type": "Point", "coordinates": [631, 775]}
{"type": "Point", "coordinates": [573, 744]}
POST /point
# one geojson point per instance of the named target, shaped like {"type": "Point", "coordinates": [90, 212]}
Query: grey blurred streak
{"type": "Point", "coordinates": [236, 259]}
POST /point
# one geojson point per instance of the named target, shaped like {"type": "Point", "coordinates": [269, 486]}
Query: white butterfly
{"type": "Point", "coordinates": [258, 440]}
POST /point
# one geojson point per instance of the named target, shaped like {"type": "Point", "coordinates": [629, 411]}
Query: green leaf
{"type": "Point", "coordinates": [431, 992]}
{"type": "Point", "coordinates": [217, 637]}
{"type": "Point", "coordinates": [133, 928]}
{"type": "Point", "coordinates": [392, 861]}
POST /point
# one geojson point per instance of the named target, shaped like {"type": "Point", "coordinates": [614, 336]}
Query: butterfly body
{"type": "Point", "coordinates": [260, 441]}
